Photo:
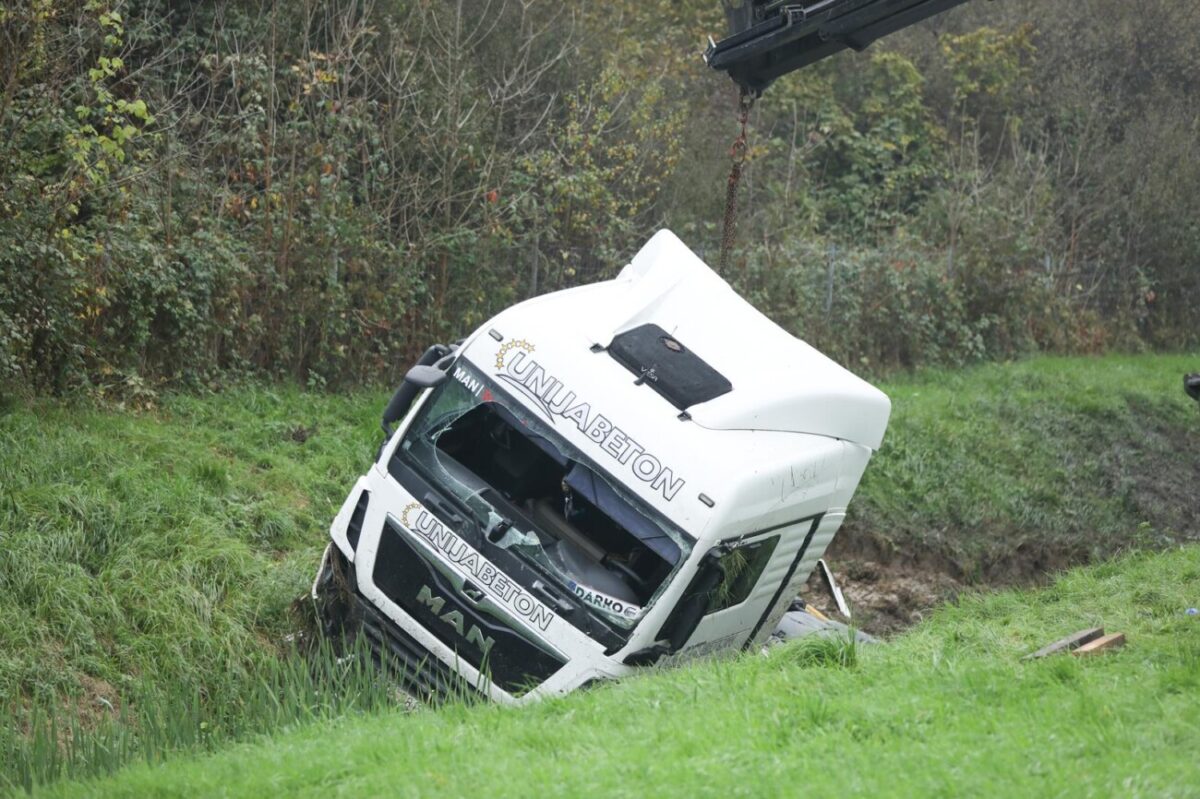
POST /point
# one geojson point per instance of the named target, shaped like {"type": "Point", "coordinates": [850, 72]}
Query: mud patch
{"type": "Point", "coordinates": [889, 592]}
{"type": "Point", "coordinates": [884, 599]}
{"type": "Point", "coordinates": [1149, 464]}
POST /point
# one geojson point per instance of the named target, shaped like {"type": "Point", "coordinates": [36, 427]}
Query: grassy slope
{"type": "Point", "coordinates": [1018, 467]}
{"type": "Point", "coordinates": [164, 548]}
{"type": "Point", "coordinates": [947, 710]}
{"type": "Point", "coordinates": [166, 544]}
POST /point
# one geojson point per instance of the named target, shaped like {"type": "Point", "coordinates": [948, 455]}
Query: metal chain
{"type": "Point", "coordinates": [737, 152]}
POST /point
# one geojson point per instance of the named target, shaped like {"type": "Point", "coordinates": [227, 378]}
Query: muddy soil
{"type": "Point", "coordinates": [884, 599]}
{"type": "Point", "coordinates": [888, 593]}
{"type": "Point", "coordinates": [1155, 475]}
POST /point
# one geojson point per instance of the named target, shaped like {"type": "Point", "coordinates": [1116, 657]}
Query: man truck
{"type": "Point", "coordinates": [634, 472]}
{"type": "Point", "coordinates": [629, 473]}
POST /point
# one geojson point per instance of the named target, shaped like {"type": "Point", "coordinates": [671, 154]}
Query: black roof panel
{"type": "Point", "coordinates": [660, 360]}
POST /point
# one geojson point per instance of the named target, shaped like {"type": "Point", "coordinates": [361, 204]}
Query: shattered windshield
{"type": "Point", "coordinates": [535, 495]}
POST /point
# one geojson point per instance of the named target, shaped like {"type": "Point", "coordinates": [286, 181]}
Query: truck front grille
{"type": "Point", "coordinates": [473, 628]}
{"type": "Point", "coordinates": [419, 672]}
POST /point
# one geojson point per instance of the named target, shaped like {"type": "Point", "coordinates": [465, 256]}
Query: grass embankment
{"type": "Point", "coordinates": [1002, 471]}
{"type": "Point", "coordinates": [946, 710]}
{"type": "Point", "coordinates": [165, 544]}
{"type": "Point", "coordinates": [148, 561]}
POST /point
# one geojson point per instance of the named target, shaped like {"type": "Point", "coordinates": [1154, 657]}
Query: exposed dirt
{"type": "Point", "coordinates": [884, 599]}
{"type": "Point", "coordinates": [1155, 475]}
{"type": "Point", "coordinates": [888, 592]}
{"type": "Point", "coordinates": [100, 701]}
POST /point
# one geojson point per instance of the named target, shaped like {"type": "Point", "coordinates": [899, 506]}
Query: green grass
{"type": "Point", "coordinates": [947, 710]}
{"type": "Point", "coordinates": [1007, 469]}
{"type": "Point", "coordinates": [168, 544]}
{"type": "Point", "coordinates": [149, 561]}
{"type": "Point", "coordinates": [322, 681]}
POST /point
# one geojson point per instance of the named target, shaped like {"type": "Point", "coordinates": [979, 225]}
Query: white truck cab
{"type": "Point", "coordinates": [636, 471]}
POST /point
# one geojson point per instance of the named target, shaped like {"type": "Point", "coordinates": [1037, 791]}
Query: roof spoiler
{"type": "Point", "coordinates": [770, 38]}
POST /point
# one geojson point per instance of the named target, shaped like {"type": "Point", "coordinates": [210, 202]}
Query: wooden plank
{"type": "Point", "coordinates": [1072, 641]}
{"type": "Point", "coordinates": [1104, 644]}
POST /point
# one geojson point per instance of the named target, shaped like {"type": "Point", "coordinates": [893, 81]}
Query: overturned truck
{"type": "Point", "coordinates": [634, 472]}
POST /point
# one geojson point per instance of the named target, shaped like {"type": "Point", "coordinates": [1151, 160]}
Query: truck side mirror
{"type": "Point", "coordinates": [686, 616]}
{"type": "Point", "coordinates": [421, 376]}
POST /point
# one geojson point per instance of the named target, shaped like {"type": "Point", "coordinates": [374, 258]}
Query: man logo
{"type": "Point", "coordinates": [455, 619]}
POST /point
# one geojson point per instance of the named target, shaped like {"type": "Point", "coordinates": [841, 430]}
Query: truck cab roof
{"type": "Point", "coordinates": [778, 381]}
{"type": "Point", "coordinates": [705, 397]}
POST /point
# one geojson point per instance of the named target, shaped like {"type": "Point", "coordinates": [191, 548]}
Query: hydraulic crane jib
{"type": "Point", "coordinates": [770, 38]}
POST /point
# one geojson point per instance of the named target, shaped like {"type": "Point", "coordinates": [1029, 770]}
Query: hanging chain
{"type": "Point", "coordinates": [737, 152]}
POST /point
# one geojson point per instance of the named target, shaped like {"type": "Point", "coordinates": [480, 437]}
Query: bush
{"type": "Point", "coordinates": [193, 193]}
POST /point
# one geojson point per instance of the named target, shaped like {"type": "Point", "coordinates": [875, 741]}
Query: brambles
{"type": "Point", "coordinates": [190, 195]}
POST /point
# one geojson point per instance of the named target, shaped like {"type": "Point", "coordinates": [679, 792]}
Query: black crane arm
{"type": "Point", "coordinates": [770, 38]}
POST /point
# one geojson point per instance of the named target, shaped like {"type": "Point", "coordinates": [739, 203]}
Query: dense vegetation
{"type": "Point", "coordinates": [947, 710]}
{"type": "Point", "coordinates": [206, 208]}
{"type": "Point", "coordinates": [149, 560]}
{"type": "Point", "coordinates": [195, 191]}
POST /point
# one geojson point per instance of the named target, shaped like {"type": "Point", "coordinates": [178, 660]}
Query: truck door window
{"type": "Point", "coordinates": [742, 566]}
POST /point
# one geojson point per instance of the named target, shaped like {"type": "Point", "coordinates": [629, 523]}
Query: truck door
{"type": "Point", "coordinates": [757, 567]}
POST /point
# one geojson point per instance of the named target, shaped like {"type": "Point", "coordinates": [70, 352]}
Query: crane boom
{"type": "Point", "coordinates": [770, 38]}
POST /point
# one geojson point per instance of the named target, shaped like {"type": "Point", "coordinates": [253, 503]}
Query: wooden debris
{"type": "Point", "coordinates": [1104, 644]}
{"type": "Point", "coordinates": [816, 614]}
{"type": "Point", "coordinates": [1072, 641]}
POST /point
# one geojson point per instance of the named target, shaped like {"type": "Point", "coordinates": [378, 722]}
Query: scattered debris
{"type": "Point", "coordinates": [800, 604]}
{"type": "Point", "coordinates": [803, 620]}
{"type": "Point", "coordinates": [1084, 642]}
{"type": "Point", "coordinates": [1072, 641]}
{"type": "Point", "coordinates": [834, 590]}
{"type": "Point", "coordinates": [1114, 641]}
{"type": "Point", "coordinates": [1192, 612]}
